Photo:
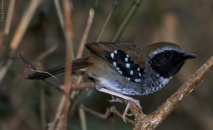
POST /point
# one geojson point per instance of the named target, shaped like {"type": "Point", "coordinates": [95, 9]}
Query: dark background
{"type": "Point", "coordinates": [26, 104]}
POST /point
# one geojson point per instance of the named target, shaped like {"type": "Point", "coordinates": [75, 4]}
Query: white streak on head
{"type": "Point", "coordinates": [166, 48]}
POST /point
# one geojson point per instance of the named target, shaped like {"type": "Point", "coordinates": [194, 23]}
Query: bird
{"type": "Point", "coordinates": [127, 69]}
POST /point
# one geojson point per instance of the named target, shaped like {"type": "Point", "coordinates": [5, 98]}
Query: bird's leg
{"type": "Point", "coordinates": [129, 99]}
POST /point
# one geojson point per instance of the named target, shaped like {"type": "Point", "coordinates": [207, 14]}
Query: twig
{"type": "Point", "coordinates": [24, 24]}
{"type": "Point", "coordinates": [65, 102]}
{"type": "Point", "coordinates": [82, 116]}
{"type": "Point", "coordinates": [153, 120]}
{"type": "Point", "coordinates": [60, 15]}
{"type": "Point", "coordinates": [9, 17]}
{"type": "Point", "coordinates": [126, 19]}
{"type": "Point", "coordinates": [47, 52]}
{"type": "Point", "coordinates": [86, 32]}
{"type": "Point", "coordinates": [107, 20]}
{"type": "Point", "coordinates": [42, 108]}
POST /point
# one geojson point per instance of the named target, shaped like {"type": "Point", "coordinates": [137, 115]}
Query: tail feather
{"type": "Point", "coordinates": [76, 65]}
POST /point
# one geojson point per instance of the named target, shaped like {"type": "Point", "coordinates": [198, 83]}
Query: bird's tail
{"type": "Point", "coordinates": [76, 65]}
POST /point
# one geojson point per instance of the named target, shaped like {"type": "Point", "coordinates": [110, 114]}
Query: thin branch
{"type": "Point", "coordinates": [9, 17]}
{"type": "Point", "coordinates": [86, 32]}
{"type": "Point", "coordinates": [107, 20]}
{"type": "Point", "coordinates": [153, 120]}
{"type": "Point", "coordinates": [48, 52]}
{"type": "Point", "coordinates": [130, 13]}
{"type": "Point", "coordinates": [60, 14]}
{"type": "Point", "coordinates": [24, 24]}
{"type": "Point", "coordinates": [82, 116]}
{"type": "Point", "coordinates": [65, 101]}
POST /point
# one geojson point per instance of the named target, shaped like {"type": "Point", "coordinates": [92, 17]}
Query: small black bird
{"type": "Point", "coordinates": [124, 69]}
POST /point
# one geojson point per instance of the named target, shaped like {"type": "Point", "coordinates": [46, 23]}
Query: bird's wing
{"type": "Point", "coordinates": [119, 57]}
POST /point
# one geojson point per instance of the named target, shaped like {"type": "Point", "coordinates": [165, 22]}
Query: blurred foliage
{"type": "Point", "coordinates": [26, 104]}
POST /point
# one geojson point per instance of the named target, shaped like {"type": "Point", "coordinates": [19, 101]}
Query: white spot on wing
{"type": "Point", "coordinates": [126, 59]}
{"type": "Point", "coordinates": [114, 64]}
{"type": "Point", "coordinates": [127, 65]}
{"type": "Point", "coordinates": [115, 51]}
{"type": "Point", "coordinates": [112, 55]}
{"type": "Point", "coordinates": [131, 72]}
{"type": "Point", "coordinates": [138, 69]}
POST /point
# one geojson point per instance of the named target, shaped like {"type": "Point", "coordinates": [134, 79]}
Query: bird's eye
{"type": "Point", "coordinates": [168, 54]}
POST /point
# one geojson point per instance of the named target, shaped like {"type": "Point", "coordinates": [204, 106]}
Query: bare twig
{"type": "Point", "coordinates": [82, 118]}
{"type": "Point", "coordinates": [24, 24]}
{"type": "Point", "coordinates": [154, 120]}
{"type": "Point", "coordinates": [42, 108]}
{"type": "Point", "coordinates": [86, 32]}
{"type": "Point", "coordinates": [126, 19]}
{"type": "Point", "coordinates": [9, 17]}
{"type": "Point", "coordinates": [107, 20]}
{"type": "Point", "coordinates": [62, 112]}
{"type": "Point", "coordinates": [60, 15]}
{"type": "Point", "coordinates": [48, 52]}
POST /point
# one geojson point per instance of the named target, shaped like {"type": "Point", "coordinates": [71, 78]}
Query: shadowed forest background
{"type": "Point", "coordinates": [31, 105]}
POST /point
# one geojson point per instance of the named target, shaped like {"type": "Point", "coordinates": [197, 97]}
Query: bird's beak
{"type": "Point", "coordinates": [189, 56]}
